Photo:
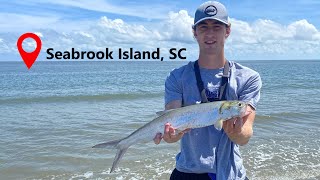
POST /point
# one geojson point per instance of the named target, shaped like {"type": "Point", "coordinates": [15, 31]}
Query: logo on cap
{"type": "Point", "coordinates": [211, 10]}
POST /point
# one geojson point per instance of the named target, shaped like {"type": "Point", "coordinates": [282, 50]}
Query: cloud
{"type": "Point", "coordinates": [266, 30]}
{"type": "Point", "coordinates": [13, 23]}
{"type": "Point", "coordinates": [117, 31]}
{"type": "Point", "coordinates": [107, 32]}
{"type": "Point", "coordinates": [16, 22]}
{"type": "Point", "coordinates": [144, 10]}
{"type": "Point", "coordinates": [261, 39]}
{"type": "Point", "coordinates": [177, 27]}
{"type": "Point", "coordinates": [303, 30]}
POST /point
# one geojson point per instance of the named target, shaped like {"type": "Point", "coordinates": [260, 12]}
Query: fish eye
{"type": "Point", "coordinates": [240, 104]}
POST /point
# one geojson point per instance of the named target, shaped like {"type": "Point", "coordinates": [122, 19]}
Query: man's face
{"type": "Point", "coordinates": [211, 36]}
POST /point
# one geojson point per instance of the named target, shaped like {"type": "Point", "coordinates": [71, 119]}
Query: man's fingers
{"type": "Point", "coordinates": [228, 126]}
{"type": "Point", "coordinates": [185, 131]}
{"type": "Point", "coordinates": [167, 128]}
{"type": "Point", "coordinates": [231, 124]}
{"type": "Point", "coordinates": [157, 138]}
{"type": "Point", "coordinates": [167, 132]}
{"type": "Point", "coordinates": [238, 125]}
{"type": "Point", "coordinates": [224, 125]}
{"type": "Point", "coordinates": [170, 134]}
{"type": "Point", "coordinates": [180, 134]}
{"type": "Point", "coordinates": [171, 131]}
{"type": "Point", "coordinates": [238, 122]}
{"type": "Point", "coordinates": [247, 113]}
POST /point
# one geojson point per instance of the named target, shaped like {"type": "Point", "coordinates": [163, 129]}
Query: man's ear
{"type": "Point", "coordinates": [228, 30]}
{"type": "Point", "coordinates": [194, 32]}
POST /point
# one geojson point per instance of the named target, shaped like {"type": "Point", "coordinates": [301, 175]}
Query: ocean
{"type": "Point", "coordinates": [52, 114]}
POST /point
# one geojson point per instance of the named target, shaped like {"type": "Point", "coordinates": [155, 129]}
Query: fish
{"type": "Point", "coordinates": [187, 117]}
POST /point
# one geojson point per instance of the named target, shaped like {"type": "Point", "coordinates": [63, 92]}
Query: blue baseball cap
{"type": "Point", "coordinates": [211, 10]}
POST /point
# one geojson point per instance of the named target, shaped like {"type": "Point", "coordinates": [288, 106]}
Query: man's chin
{"type": "Point", "coordinates": [210, 49]}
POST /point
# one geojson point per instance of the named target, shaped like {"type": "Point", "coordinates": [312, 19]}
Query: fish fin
{"type": "Point", "coordinates": [160, 113]}
{"type": "Point", "coordinates": [108, 144]}
{"type": "Point", "coordinates": [120, 152]}
{"type": "Point", "coordinates": [218, 124]}
{"type": "Point", "coordinates": [117, 159]}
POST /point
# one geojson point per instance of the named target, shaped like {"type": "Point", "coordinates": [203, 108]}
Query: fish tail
{"type": "Point", "coordinates": [114, 144]}
{"type": "Point", "coordinates": [118, 157]}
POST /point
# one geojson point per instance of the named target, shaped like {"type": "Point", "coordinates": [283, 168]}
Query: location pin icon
{"type": "Point", "coordinates": [29, 57]}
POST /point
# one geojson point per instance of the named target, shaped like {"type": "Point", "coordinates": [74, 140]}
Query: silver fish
{"type": "Point", "coordinates": [193, 116]}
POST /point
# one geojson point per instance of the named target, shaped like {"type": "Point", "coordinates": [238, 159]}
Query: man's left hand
{"type": "Point", "coordinates": [233, 126]}
{"type": "Point", "coordinates": [239, 130]}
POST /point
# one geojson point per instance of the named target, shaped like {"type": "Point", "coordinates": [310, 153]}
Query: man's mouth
{"type": "Point", "coordinates": [210, 42]}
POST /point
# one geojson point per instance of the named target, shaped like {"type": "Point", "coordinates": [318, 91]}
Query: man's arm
{"type": "Point", "coordinates": [173, 105]}
{"type": "Point", "coordinates": [240, 130]}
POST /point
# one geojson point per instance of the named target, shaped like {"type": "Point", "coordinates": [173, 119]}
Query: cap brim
{"type": "Point", "coordinates": [213, 18]}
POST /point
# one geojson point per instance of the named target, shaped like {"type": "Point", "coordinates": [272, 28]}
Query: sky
{"type": "Point", "coordinates": [261, 30]}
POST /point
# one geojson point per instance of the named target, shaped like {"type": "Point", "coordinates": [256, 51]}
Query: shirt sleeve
{"type": "Point", "coordinates": [173, 88]}
{"type": "Point", "coordinates": [251, 90]}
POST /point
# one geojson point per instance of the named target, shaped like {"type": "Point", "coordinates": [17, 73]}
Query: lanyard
{"type": "Point", "coordinates": [224, 81]}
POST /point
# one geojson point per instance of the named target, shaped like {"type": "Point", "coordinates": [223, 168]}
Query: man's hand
{"type": "Point", "coordinates": [239, 130]}
{"type": "Point", "coordinates": [169, 135]}
{"type": "Point", "coordinates": [233, 126]}
{"type": "Point", "coordinates": [169, 132]}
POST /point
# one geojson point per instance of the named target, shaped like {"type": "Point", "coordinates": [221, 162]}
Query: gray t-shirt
{"type": "Point", "coordinates": [208, 150]}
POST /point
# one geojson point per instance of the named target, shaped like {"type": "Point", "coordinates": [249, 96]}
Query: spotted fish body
{"type": "Point", "coordinates": [193, 116]}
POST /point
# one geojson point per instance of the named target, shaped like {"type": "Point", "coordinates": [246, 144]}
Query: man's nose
{"type": "Point", "coordinates": [210, 32]}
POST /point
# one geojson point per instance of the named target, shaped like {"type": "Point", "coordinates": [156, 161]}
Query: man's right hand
{"type": "Point", "coordinates": [169, 135]}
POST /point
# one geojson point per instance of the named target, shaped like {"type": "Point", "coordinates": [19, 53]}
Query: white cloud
{"type": "Point", "coordinates": [265, 38]}
{"type": "Point", "coordinates": [154, 11]}
{"type": "Point", "coordinates": [12, 22]}
{"type": "Point", "coordinates": [303, 30]}
{"type": "Point", "coordinates": [258, 40]}
{"type": "Point", "coordinates": [117, 31]}
{"type": "Point", "coordinates": [241, 32]}
{"type": "Point", "coordinates": [266, 30]}
{"type": "Point", "coordinates": [177, 27]}
{"type": "Point", "coordinates": [317, 37]}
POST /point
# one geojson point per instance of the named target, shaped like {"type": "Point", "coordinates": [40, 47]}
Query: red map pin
{"type": "Point", "coordinates": [29, 58]}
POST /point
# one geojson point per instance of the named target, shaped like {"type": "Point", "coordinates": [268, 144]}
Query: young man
{"type": "Point", "coordinates": [208, 153]}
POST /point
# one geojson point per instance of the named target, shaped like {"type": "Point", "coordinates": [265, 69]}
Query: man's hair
{"type": "Point", "coordinates": [217, 22]}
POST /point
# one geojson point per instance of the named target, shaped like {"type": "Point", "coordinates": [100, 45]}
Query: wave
{"type": "Point", "coordinates": [79, 98]}
{"type": "Point", "coordinates": [302, 114]}
{"type": "Point", "coordinates": [278, 114]}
